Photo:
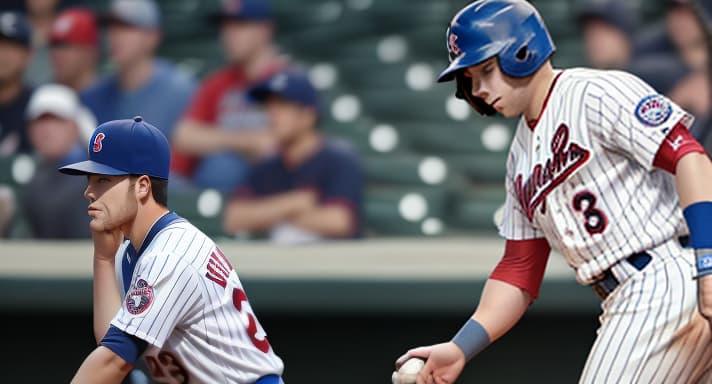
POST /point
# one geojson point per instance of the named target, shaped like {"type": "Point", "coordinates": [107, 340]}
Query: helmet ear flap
{"type": "Point", "coordinates": [464, 92]}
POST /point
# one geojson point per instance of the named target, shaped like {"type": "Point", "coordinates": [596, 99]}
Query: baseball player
{"type": "Point", "coordinates": [599, 168]}
{"type": "Point", "coordinates": [166, 292]}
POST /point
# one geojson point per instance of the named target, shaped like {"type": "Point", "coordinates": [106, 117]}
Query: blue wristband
{"type": "Point", "coordinates": [699, 220]}
{"type": "Point", "coordinates": [472, 338]}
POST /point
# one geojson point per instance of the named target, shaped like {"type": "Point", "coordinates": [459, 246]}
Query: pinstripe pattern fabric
{"type": "Point", "coordinates": [192, 324]}
{"type": "Point", "coordinates": [639, 203]}
{"type": "Point", "coordinates": [651, 330]}
{"type": "Point", "coordinates": [583, 178]}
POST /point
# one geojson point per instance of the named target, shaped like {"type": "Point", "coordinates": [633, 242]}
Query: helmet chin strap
{"type": "Point", "coordinates": [464, 92]}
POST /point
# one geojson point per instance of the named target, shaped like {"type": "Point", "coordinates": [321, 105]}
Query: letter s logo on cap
{"type": "Point", "coordinates": [97, 142]}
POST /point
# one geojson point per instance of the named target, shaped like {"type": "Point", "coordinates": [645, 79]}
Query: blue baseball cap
{"type": "Point", "coordinates": [243, 10]}
{"type": "Point", "coordinates": [15, 27]}
{"type": "Point", "coordinates": [125, 147]}
{"type": "Point", "coordinates": [290, 85]}
{"type": "Point", "coordinates": [136, 13]}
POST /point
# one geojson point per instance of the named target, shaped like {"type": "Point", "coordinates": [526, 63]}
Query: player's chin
{"type": "Point", "coordinates": [508, 113]}
{"type": "Point", "coordinates": [99, 225]}
{"type": "Point", "coordinates": [96, 225]}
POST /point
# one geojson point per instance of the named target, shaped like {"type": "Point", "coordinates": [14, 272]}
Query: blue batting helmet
{"type": "Point", "coordinates": [512, 30]}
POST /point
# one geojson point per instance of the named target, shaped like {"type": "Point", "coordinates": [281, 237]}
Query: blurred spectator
{"type": "Point", "coordinates": [142, 85]}
{"type": "Point", "coordinates": [687, 35]}
{"type": "Point", "coordinates": [682, 37]}
{"type": "Point", "coordinates": [679, 33]}
{"type": "Point", "coordinates": [15, 54]}
{"type": "Point", "coordinates": [311, 189]}
{"type": "Point", "coordinates": [608, 27]}
{"type": "Point", "coordinates": [41, 14]}
{"type": "Point", "coordinates": [223, 130]}
{"type": "Point", "coordinates": [74, 43]}
{"type": "Point", "coordinates": [59, 128]}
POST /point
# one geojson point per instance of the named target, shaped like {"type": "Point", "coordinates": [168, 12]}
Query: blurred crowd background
{"type": "Point", "coordinates": [296, 121]}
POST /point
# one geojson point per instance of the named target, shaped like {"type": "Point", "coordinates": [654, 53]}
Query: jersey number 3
{"type": "Point", "coordinates": [239, 297]}
{"type": "Point", "coordinates": [594, 219]}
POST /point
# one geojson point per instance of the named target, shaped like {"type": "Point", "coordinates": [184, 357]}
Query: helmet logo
{"type": "Point", "coordinates": [97, 142]}
{"type": "Point", "coordinates": [452, 44]}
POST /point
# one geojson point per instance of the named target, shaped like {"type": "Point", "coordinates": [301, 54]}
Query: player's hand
{"type": "Point", "coordinates": [420, 352]}
{"type": "Point", "coordinates": [443, 365]}
{"type": "Point", "coordinates": [704, 291]}
{"type": "Point", "coordinates": [106, 243]}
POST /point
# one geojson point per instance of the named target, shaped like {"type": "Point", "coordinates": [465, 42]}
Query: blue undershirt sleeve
{"type": "Point", "coordinates": [126, 346]}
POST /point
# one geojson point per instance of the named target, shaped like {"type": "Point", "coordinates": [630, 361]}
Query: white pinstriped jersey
{"type": "Point", "coordinates": [583, 177]}
{"type": "Point", "coordinates": [187, 302]}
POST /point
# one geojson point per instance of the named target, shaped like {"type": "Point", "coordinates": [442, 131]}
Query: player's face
{"type": "Point", "coordinates": [505, 94]}
{"type": "Point", "coordinates": [112, 201]}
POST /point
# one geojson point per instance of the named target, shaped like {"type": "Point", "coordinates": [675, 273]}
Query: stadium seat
{"type": "Point", "coordinates": [203, 208]}
{"type": "Point", "coordinates": [397, 105]}
{"type": "Point", "coordinates": [410, 169]}
{"type": "Point", "coordinates": [479, 167]}
{"type": "Point", "coordinates": [474, 209]}
{"type": "Point", "coordinates": [405, 211]}
{"type": "Point", "coordinates": [477, 135]}
{"type": "Point", "coordinates": [16, 170]}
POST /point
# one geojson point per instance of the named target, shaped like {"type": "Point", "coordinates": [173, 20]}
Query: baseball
{"type": "Point", "coordinates": [408, 371]}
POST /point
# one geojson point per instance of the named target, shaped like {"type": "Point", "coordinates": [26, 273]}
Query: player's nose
{"type": "Point", "coordinates": [479, 90]}
{"type": "Point", "coordinates": [89, 195]}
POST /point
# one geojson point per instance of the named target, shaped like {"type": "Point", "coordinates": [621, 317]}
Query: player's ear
{"type": "Point", "coordinates": [143, 187]}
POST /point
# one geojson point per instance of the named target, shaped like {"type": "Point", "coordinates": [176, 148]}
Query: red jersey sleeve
{"type": "Point", "coordinates": [678, 143]}
{"type": "Point", "coordinates": [523, 264]}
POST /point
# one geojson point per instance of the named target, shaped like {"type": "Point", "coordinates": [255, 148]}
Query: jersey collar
{"type": "Point", "coordinates": [533, 123]}
{"type": "Point", "coordinates": [131, 256]}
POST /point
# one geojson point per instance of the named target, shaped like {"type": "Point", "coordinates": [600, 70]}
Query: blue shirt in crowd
{"type": "Point", "coordinates": [161, 101]}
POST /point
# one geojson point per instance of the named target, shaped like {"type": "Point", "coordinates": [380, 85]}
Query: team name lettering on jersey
{"type": "Point", "coordinates": [219, 268]}
{"type": "Point", "coordinates": [565, 159]}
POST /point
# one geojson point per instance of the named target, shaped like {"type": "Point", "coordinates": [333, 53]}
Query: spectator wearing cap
{"type": "Point", "coordinates": [15, 52]}
{"type": "Point", "coordinates": [59, 128]}
{"type": "Point", "coordinates": [142, 85]}
{"type": "Point", "coordinates": [312, 188]}
{"type": "Point", "coordinates": [41, 15]}
{"type": "Point", "coordinates": [224, 131]}
{"type": "Point", "coordinates": [74, 42]}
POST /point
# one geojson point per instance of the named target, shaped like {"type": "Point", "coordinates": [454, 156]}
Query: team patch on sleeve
{"type": "Point", "coordinates": [653, 110]}
{"type": "Point", "coordinates": [139, 297]}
